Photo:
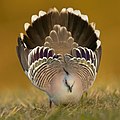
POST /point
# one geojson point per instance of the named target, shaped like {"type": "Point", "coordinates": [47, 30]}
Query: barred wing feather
{"type": "Point", "coordinates": [44, 65]}
{"type": "Point", "coordinates": [83, 62]}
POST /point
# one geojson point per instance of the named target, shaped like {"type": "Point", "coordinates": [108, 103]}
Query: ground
{"type": "Point", "coordinates": [97, 104]}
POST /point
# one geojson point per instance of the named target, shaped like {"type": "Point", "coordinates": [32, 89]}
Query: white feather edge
{"type": "Point", "coordinates": [77, 12]}
{"type": "Point", "coordinates": [97, 32]}
{"type": "Point", "coordinates": [34, 51]}
{"type": "Point", "coordinates": [63, 10]}
{"type": "Point", "coordinates": [93, 25]}
{"type": "Point", "coordinates": [85, 17]}
{"type": "Point", "coordinates": [88, 61]}
{"type": "Point", "coordinates": [41, 13]}
{"type": "Point", "coordinates": [22, 36]}
{"type": "Point", "coordinates": [26, 26]}
{"type": "Point", "coordinates": [70, 10]}
{"type": "Point", "coordinates": [34, 18]}
{"type": "Point", "coordinates": [89, 50]}
{"type": "Point", "coordinates": [33, 68]}
{"type": "Point", "coordinates": [98, 43]}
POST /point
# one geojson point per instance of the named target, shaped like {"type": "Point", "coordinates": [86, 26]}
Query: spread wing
{"type": "Point", "coordinates": [53, 33]}
{"type": "Point", "coordinates": [84, 63]}
{"type": "Point", "coordinates": [44, 65]}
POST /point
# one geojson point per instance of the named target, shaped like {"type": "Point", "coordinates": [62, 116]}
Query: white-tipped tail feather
{"type": "Point", "coordinates": [26, 26]}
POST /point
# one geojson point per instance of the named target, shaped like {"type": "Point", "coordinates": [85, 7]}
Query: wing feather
{"type": "Point", "coordinates": [82, 68]}
{"type": "Point", "coordinates": [43, 70]}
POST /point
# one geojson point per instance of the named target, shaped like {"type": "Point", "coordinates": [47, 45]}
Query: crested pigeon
{"type": "Point", "coordinates": [60, 54]}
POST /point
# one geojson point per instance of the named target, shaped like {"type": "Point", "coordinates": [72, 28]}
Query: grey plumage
{"type": "Point", "coordinates": [61, 52]}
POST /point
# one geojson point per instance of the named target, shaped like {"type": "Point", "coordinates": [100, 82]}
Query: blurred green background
{"type": "Point", "coordinates": [14, 13]}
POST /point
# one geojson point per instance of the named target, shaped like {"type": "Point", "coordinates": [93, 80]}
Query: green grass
{"type": "Point", "coordinates": [26, 105]}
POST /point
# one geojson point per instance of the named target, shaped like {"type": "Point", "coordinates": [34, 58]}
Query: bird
{"type": "Point", "coordinates": [60, 53]}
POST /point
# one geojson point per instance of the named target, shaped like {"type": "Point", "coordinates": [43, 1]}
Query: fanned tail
{"type": "Point", "coordinates": [39, 32]}
{"type": "Point", "coordinates": [77, 24]}
{"type": "Point", "coordinates": [22, 52]}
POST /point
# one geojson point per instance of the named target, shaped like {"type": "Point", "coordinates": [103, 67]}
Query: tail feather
{"type": "Point", "coordinates": [28, 42]}
{"type": "Point", "coordinates": [22, 54]}
{"type": "Point", "coordinates": [88, 33]}
{"type": "Point", "coordinates": [54, 16]}
{"type": "Point", "coordinates": [34, 36]}
{"type": "Point", "coordinates": [71, 22]}
{"type": "Point", "coordinates": [77, 28]}
{"type": "Point", "coordinates": [46, 23]}
{"type": "Point", "coordinates": [82, 32]}
{"type": "Point", "coordinates": [91, 42]}
{"type": "Point", "coordinates": [64, 17]}
{"type": "Point", "coordinates": [38, 26]}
